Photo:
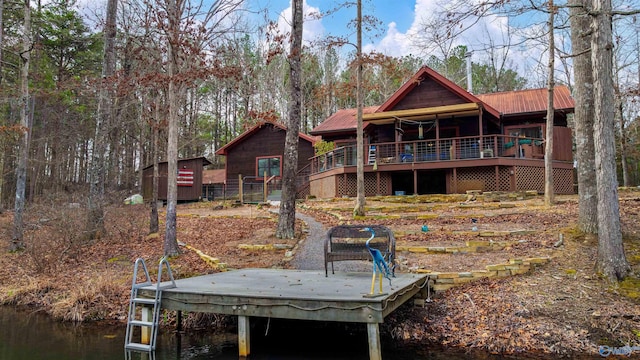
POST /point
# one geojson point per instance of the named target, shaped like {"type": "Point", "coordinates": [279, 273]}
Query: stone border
{"type": "Point", "coordinates": [473, 246]}
{"type": "Point", "coordinates": [446, 280]}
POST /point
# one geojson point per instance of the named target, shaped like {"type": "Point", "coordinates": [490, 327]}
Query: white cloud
{"type": "Point", "coordinates": [312, 29]}
{"type": "Point", "coordinates": [479, 37]}
{"type": "Point", "coordinates": [393, 43]}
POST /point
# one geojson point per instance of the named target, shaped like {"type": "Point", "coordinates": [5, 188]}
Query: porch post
{"type": "Point", "coordinates": [455, 181]}
{"type": "Point", "coordinates": [415, 182]}
{"type": "Point", "coordinates": [497, 171]}
{"type": "Point", "coordinates": [437, 138]}
{"type": "Point", "coordinates": [480, 145]}
{"type": "Point", "coordinates": [378, 193]}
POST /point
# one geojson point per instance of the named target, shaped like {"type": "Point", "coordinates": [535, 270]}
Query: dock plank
{"type": "Point", "coordinates": [290, 294]}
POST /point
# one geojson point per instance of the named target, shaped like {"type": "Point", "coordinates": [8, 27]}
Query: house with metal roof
{"type": "Point", "coordinates": [254, 160]}
{"type": "Point", "coordinates": [432, 136]}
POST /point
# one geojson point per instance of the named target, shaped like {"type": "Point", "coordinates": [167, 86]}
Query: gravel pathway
{"type": "Point", "coordinates": [310, 252]}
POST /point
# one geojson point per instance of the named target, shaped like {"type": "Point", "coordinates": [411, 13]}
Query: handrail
{"type": "Point", "coordinates": [432, 150]}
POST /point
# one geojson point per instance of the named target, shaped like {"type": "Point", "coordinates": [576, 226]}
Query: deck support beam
{"type": "Point", "coordinates": [244, 338]}
{"type": "Point", "coordinates": [373, 330]}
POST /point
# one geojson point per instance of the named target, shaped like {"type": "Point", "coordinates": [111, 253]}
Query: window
{"type": "Point", "coordinates": [528, 131]}
{"type": "Point", "coordinates": [269, 164]}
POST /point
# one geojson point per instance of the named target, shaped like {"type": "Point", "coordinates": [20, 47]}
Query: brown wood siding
{"type": "Point", "coordinates": [562, 146]}
{"type": "Point", "coordinates": [267, 141]}
{"type": "Point", "coordinates": [185, 193]}
{"type": "Point", "coordinates": [428, 94]}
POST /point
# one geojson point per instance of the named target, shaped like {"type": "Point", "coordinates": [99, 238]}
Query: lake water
{"type": "Point", "coordinates": [33, 336]}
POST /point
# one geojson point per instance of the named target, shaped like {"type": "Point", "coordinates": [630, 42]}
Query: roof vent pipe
{"type": "Point", "coordinates": [467, 55]}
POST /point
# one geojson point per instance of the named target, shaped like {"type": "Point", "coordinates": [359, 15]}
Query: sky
{"type": "Point", "coordinates": [401, 29]}
{"type": "Point", "coordinates": [401, 21]}
{"type": "Point", "coordinates": [402, 24]}
{"type": "Point", "coordinates": [397, 17]}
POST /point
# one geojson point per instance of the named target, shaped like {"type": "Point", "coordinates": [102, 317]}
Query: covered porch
{"type": "Point", "coordinates": [449, 165]}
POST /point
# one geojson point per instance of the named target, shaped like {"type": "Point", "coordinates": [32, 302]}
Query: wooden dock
{"type": "Point", "coordinates": [291, 294]}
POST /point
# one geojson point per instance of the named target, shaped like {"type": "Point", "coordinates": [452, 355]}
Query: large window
{"type": "Point", "coordinates": [271, 164]}
{"type": "Point", "coordinates": [528, 131]}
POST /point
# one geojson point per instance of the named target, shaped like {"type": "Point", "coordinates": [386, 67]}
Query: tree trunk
{"type": "Point", "coordinates": [154, 226]}
{"type": "Point", "coordinates": [1, 47]}
{"type": "Point", "coordinates": [611, 261]}
{"type": "Point", "coordinates": [1, 140]}
{"type": "Point", "coordinates": [548, 151]}
{"type": "Point", "coordinates": [360, 196]}
{"type": "Point", "coordinates": [287, 220]}
{"type": "Point", "coordinates": [626, 178]}
{"type": "Point", "coordinates": [95, 220]}
{"type": "Point", "coordinates": [170, 236]}
{"type": "Point", "coordinates": [25, 114]}
{"type": "Point", "coordinates": [583, 117]}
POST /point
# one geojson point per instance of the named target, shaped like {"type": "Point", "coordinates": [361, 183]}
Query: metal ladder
{"type": "Point", "coordinates": [136, 303]}
{"type": "Point", "coordinates": [372, 154]}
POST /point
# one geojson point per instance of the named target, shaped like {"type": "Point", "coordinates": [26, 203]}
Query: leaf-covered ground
{"type": "Point", "coordinates": [561, 308]}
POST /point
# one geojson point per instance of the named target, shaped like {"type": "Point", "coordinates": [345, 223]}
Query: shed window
{"type": "Point", "coordinates": [270, 165]}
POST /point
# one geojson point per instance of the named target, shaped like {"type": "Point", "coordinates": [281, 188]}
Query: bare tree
{"type": "Point", "coordinates": [190, 28]}
{"type": "Point", "coordinates": [611, 261]}
{"type": "Point", "coordinates": [155, 129]}
{"type": "Point", "coordinates": [287, 220]}
{"type": "Point", "coordinates": [583, 116]}
{"type": "Point", "coordinates": [548, 151]}
{"type": "Point", "coordinates": [174, 10]}
{"type": "Point", "coordinates": [25, 116]}
{"type": "Point", "coordinates": [1, 140]}
{"type": "Point", "coordinates": [95, 220]}
{"type": "Point", "coordinates": [1, 46]}
{"type": "Point", "coordinates": [359, 209]}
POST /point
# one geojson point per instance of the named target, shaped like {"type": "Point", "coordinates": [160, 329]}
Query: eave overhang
{"type": "Point", "coordinates": [423, 114]}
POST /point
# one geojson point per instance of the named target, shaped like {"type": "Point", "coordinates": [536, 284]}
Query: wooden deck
{"type": "Point", "coordinates": [292, 294]}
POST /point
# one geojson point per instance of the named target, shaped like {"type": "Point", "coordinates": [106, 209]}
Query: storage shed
{"type": "Point", "coordinates": [189, 179]}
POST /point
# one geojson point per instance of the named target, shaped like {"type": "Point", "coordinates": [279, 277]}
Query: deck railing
{"type": "Point", "coordinates": [449, 149]}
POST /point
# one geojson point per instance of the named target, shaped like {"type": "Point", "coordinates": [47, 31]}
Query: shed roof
{"type": "Point", "coordinates": [205, 162]}
{"type": "Point", "coordinates": [215, 176]}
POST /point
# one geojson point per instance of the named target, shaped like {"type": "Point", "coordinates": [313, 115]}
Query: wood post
{"type": "Point", "coordinates": [265, 183]}
{"type": "Point", "coordinates": [244, 343]}
{"type": "Point", "coordinates": [375, 352]}
{"type": "Point", "coordinates": [145, 331]}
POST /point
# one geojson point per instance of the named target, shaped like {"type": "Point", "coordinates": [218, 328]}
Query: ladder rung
{"type": "Point", "coordinates": [144, 301]}
{"type": "Point", "coordinates": [141, 323]}
{"type": "Point", "coordinates": [138, 347]}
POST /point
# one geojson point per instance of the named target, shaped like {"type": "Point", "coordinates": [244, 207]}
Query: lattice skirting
{"type": "Point", "coordinates": [478, 178]}
{"type": "Point", "coordinates": [563, 181]}
{"type": "Point", "coordinates": [519, 178]}
{"type": "Point", "coordinates": [348, 186]}
{"type": "Point", "coordinates": [532, 178]}
{"type": "Point", "coordinates": [522, 177]}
